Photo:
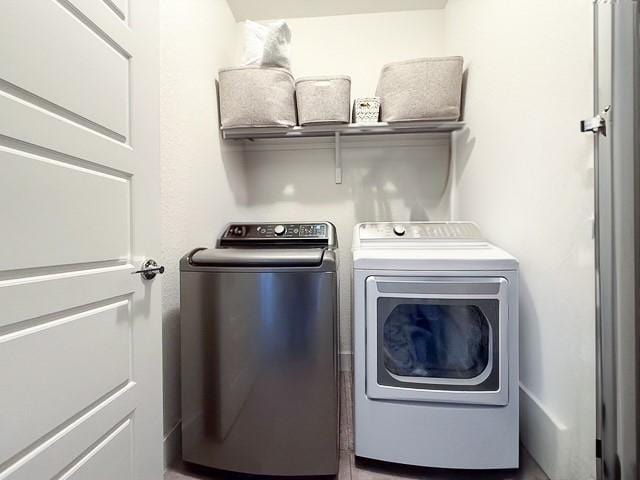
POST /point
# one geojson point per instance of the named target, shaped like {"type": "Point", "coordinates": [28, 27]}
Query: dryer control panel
{"type": "Point", "coordinates": [420, 231]}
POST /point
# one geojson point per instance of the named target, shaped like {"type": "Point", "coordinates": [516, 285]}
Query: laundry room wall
{"type": "Point", "coordinates": [525, 174]}
{"type": "Point", "coordinates": [521, 171]}
{"type": "Point", "coordinates": [200, 177]}
{"type": "Point", "coordinates": [384, 178]}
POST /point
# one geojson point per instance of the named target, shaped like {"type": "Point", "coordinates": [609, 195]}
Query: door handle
{"type": "Point", "coordinates": [597, 124]}
{"type": "Point", "coordinates": [149, 269]}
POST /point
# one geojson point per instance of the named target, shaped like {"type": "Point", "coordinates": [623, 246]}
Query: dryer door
{"type": "Point", "coordinates": [437, 339]}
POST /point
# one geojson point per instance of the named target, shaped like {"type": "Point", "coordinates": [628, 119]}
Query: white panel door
{"type": "Point", "coordinates": [80, 362]}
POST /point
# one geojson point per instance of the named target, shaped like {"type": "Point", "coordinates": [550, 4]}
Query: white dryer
{"type": "Point", "coordinates": [435, 346]}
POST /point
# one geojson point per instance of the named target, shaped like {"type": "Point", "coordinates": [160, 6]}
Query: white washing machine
{"type": "Point", "coordinates": [435, 346]}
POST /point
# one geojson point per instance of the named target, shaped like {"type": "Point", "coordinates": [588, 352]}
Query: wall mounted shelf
{"type": "Point", "coordinates": [251, 133]}
{"type": "Point", "coordinates": [341, 130]}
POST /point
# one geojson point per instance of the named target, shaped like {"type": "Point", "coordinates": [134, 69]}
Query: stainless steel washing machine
{"type": "Point", "coordinates": [259, 325]}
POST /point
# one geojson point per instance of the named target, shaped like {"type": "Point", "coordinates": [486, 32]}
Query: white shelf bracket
{"type": "Point", "coordinates": [338, 159]}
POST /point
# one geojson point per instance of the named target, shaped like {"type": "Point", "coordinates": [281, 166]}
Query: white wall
{"type": "Point", "coordinates": [198, 177]}
{"type": "Point", "coordinates": [524, 173]}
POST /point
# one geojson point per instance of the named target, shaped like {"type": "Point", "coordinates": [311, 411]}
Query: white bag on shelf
{"type": "Point", "coordinates": [267, 45]}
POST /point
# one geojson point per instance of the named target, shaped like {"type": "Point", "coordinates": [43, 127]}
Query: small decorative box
{"type": "Point", "coordinates": [366, 110]}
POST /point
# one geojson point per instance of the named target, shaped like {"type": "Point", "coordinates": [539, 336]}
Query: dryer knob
{"type": "Point", "coordinates": [399, 230]}
{"type": "Point", "coordinates": [279, 229]}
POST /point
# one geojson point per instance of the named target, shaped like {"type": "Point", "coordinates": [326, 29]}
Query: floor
{"type": "Point", "coordinates": [358, 469]}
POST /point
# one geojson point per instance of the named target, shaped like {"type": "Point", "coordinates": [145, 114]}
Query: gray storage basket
{"type": "Point", "coordinates": [421, 89]}
{"type": "Point", "coordinates": [325, 99]}
{"type": "Point", "coordinates": [255, 96]}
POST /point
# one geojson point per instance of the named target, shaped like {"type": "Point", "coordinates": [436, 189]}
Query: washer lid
{"type": "Point", "coordinates": [263, 257]}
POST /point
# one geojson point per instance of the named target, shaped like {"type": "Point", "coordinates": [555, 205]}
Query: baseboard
{"type": "Point", "coordinates": [346, 361]}
{"type": "Point", "coordinates": [544, 437]}
{"type": "Point", "coordinates": [172, 446]}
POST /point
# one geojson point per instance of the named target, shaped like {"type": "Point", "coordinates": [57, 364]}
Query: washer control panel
{"type": "Point", "coordinates": [276, 232]}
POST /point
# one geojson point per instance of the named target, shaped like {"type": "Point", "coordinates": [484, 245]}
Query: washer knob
{"type": "Point", "coordinates": [399, 230]}
{"type": "Point", "coordinates": [279, 229]}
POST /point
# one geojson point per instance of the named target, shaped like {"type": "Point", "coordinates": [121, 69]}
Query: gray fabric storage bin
{"type": "Point", "coordinates": [255, 96]}
{"type": "Point", "coordinates": [325, 99]}
{"type": "Point", "coordinates": [421, 89]}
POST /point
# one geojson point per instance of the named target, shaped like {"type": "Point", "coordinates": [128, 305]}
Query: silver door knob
{"type": "Point", "coordinates": [150, 269]}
